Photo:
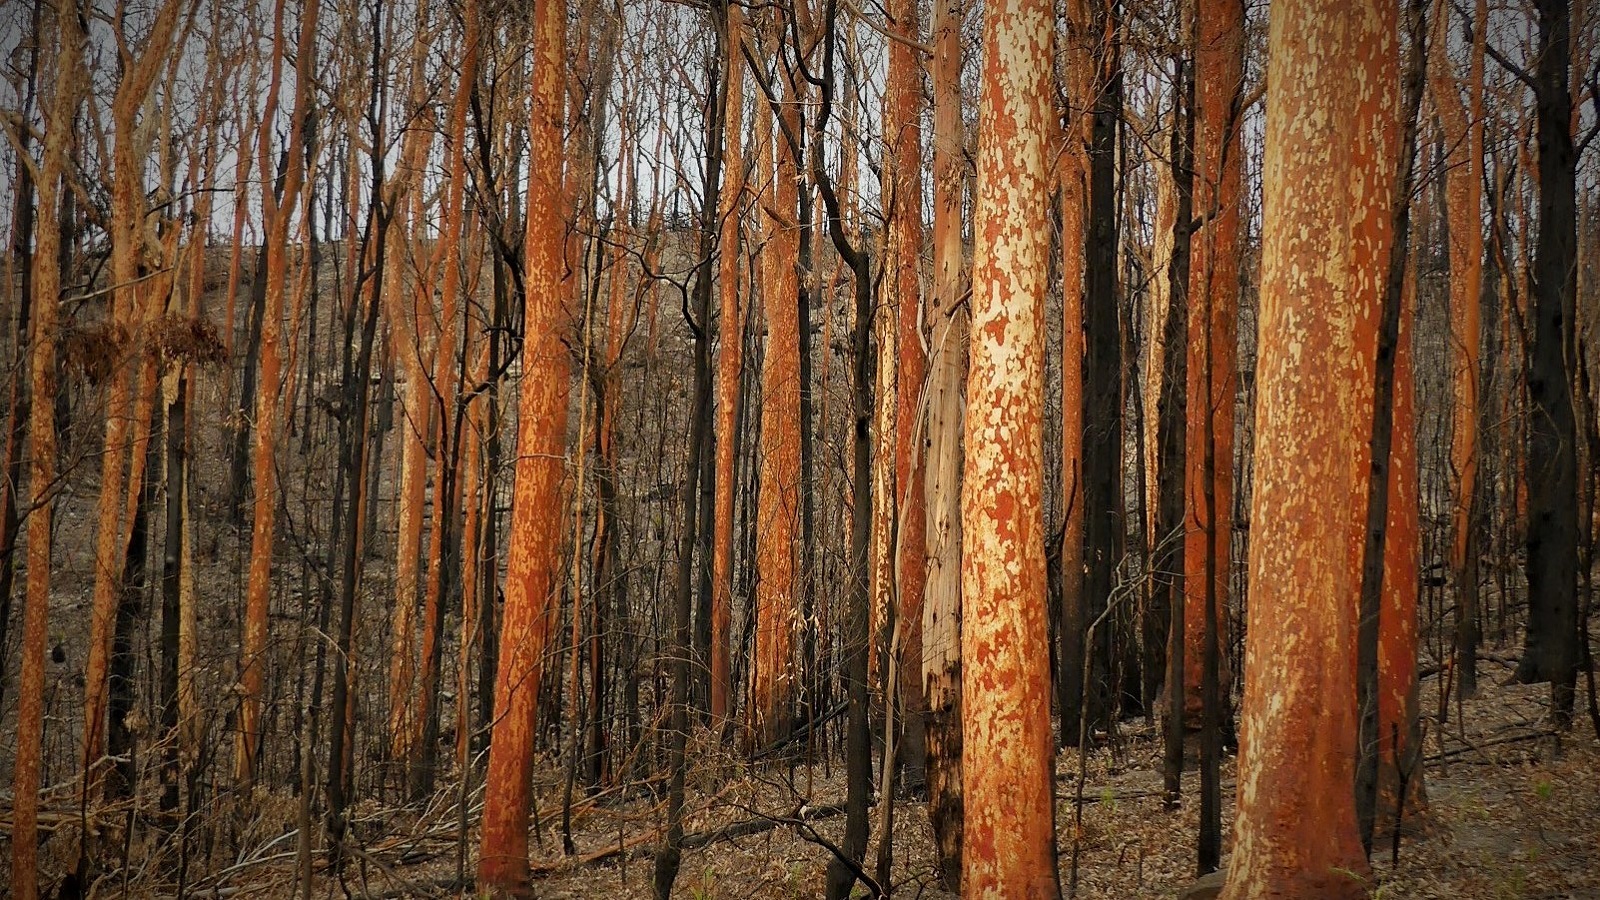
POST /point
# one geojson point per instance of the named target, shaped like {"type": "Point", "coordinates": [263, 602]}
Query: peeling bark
{"type": "Point", "coordinates": [1009, 848]}
{"type": "Point", "coordinates": [1324, 265]}
{"type": "Point", "coordinates": [941, 609]}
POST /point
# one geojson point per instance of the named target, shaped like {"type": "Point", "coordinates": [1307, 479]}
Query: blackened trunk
{"type": "Point", "coordinates": [121, 741]}
{"type": "Point", "coordinates": [1172, 427]}
{"type": "Point", "coordinates": [354, 459]}
{"type": "Point", "coordinates": [1102, 403]}
{"type": "Point", "coordinates": [1551, 650]}
{"type": "Point", "coordinates": [171, 580]}
{"type": "Point", "coordinates": [669, 856]}
{"type": "Point", "coordinates": [702, 596]}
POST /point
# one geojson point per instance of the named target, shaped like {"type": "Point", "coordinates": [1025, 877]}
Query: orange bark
{"type": "Point", "coordinates": [127, 310]}
{"type": "Point", "coordinates": [777, 516]}
{"type": "Point", "coordinates": [881, 553]}
{"type": "Point", "coordinates": [410, 339]}
{"type": "Point", "coordinates": [1072, 167]}
{"type": "Point", "coordinates": [446, 371]}
{"type": "Point", "coordinates": [1399, 737]}
{"type": "Point", "coordinates": [474, 482]}
{"type": "Point", "coordinates": [903, 131]}
{"type": "Point", "coordinates": [1009, 846]}
{"type": "Point", "coordinates": [730, 362]}
{"type": "Point", "coordinates": [413, 428]}
{"type": "Point", "coordinates": [268, 399]}
{"type": "Point", "coordinates": [1327, 228]}
{"type": "Point", "coordinates": [1213, 330]}
{"type": "Point", "coordinates": [42, 458]}
{"type": "Point", "coordinates": [533, 556]}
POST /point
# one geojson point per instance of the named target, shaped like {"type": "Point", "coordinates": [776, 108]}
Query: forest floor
{"type": "Point", "coordinates": [1509, 815]}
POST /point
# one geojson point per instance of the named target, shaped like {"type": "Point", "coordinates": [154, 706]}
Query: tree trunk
{"type": "Point", "coordinates": [414, 415]}
{"type": "Point", "coordinates": [1073, 171]}
{"type": "Point", "coordinates": [1375, 556]}
{"type": "Point", "coordinates": [669, 856]}
{"type": "Point", "coordinates": [532, 580]}
{"type": "Point", "coordinates": [1550, 651]}
{"type": "Point", "coordinates": [22, 224]}
{"type": "Point", "coordinates": [777, 520]}
{"type": "Point", "coordinates": [903, 121]}
{"type": "Point", "coordinates": [730, 362]}
{"type": "Point", "coordinates": [1322, 273]}
{"type": "Point", "coordinates": [1010, 807]}
{"type": "Point", "coordinates": [1400, 793]}
{"type": "Point", "coordinates": [1102, 395]}
{"type": "Point", "coordinates": [46, 275]}
{"type": "Point", "coordinates": [269, 398]}
{"type": "Point", "coordinates": [1214, 321]}
{"type": "Point", "coordinates": [130, 302]}
{"type": "Point", "coordinates": [172, 565]}
{"type": "Point", "coordinates": [1463, 133]}
{"type": "Point", "coordinates": [447, 373]}
{"type": "Point", "coordinates": [1172, 589]}
{"type": "Point", "coordinates": [947, 314]}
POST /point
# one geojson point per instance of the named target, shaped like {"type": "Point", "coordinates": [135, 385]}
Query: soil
{"type": "Point", "coordinates": [1511, 813]}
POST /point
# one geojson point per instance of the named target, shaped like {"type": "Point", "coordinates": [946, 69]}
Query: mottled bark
{"type": "Point", "coordinates": [1375, 556]}
{"type": "Point", "coordinates": [880, 557]}
{"type": "Point", "coordinates": [1399, 731]}
{"type": "Point", "coordinates": [1324, 265]}
{"type": "Point", "coordinates": [1158, 300]}
{"type": "Point", "coordinates": [1009, 846]}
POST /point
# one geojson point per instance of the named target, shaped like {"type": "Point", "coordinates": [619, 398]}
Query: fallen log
{"type": "Point", "coordinates": [642, 845]}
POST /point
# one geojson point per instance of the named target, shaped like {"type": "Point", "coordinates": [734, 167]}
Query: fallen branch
{"type": "Point", "coordinates": [640, 846]}
{"type": "Point", "coordinates": [1479, 747]}
{"type": "Point", "coordinates": [804, 830]}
